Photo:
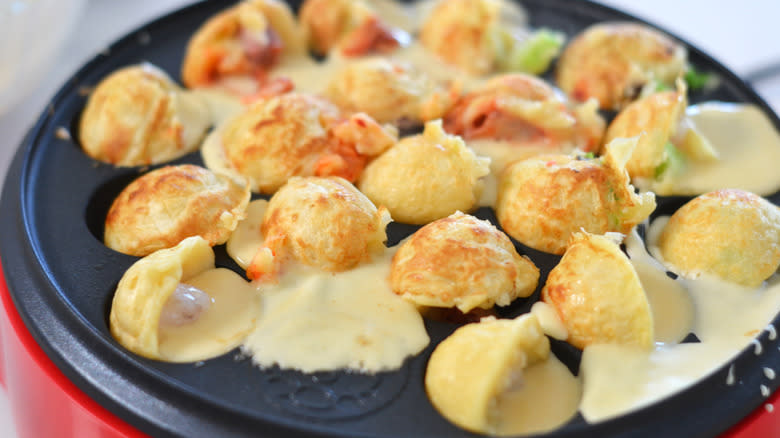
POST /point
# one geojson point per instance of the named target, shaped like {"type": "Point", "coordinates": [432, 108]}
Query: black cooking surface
{"type": "Point", "coordinates": [62, 279]}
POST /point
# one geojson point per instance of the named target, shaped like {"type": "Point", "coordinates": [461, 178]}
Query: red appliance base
{"type": "Point", "coordinates": [44, 403]}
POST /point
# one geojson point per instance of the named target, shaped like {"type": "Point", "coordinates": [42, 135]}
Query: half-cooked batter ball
{"type": "Point", "coordinates": [321, 222]}
{"type": "Point", "coordinates": [138, 116]}
{"type": "Point", "coordinates": [461, 261]}
{"type": "Point", "coordinates": [468, 371]}
{"type": "Point", "coordinates": [612, 62]}
{"type": "Point", "coordinates": [167, 205]}
{"type": "Point", "coordinates": [543, 200]}
{"type": "Point", "coordinates": [298, 134]}
{"type": "Point", "coordinates": [426, 177]}
{"type": "Point", "coordinates": [141, 296]}
{"type": "Point", "coordinates": [597, 294]}
{"type": "Point", "coordinates": [730, 233]}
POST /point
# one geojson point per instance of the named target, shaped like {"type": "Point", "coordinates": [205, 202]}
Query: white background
{"type": "Point", "coordinates": [741, 34]}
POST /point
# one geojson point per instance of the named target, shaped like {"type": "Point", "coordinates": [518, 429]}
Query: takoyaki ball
{"type": "Point", "coordinates": [167, 205]}
{"type": "Point", "coordinates": [145, 288]}
{"type": "Point", "coordinates": [426, 177]}
{"type": "Point", "coordinates": [321, 222]}
{"type": "Point", "coordinates": [543, 200]}
{"type": "Point", "coordinates": [597, 294]}
{"type": "Point", "coordinates": [471, 368]}
{"type": "Point", "coordinates": [299, 134]}
{"type": "Point", "coordinates": [461, 261]}
{"type": "Point", "coordinates": [390, 91]}
{"type": "Point", "coordinates": [464, 32]}
{"type": "Point", "coordinates": [669, 136]}
{"type": "Point", "coordinates": [526, 111]}
{"type": "Point", "coordinates": [351, 25]}
{"type": "Point", "coordinates": [138, 116]}
{"type": "Point", "coordinates": [612, 62]}
{"type": "Point", "coordinates": [730, 233]}
{"type": "Point", "coordinates": [245, 40]}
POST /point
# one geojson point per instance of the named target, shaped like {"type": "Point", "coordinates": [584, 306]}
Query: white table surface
{"type": "Point", "coordinates": [742, 35]}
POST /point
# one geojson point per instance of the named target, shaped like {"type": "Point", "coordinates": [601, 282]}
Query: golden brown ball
{"type": "Point", "coordinates": [461, 261]}
{"type": "Point", "coordinates": [598, 296]}
{"type": "Point", "coordinates": [247, 39]}
{"type": "Point", "coordinates": [463, 32]}
{"type": "Point", "coordinates": [389, 91]}
{"type": "Point", "coordinates": [543, 200]}
{"type": "Point", "coordinates": [613, 61]}
{"type": "Point", "coordinates": [297, 134]}
{"type": "Point", "coordinates": [425, 177]}
{"type": "Point", "coordinates": [351, 25]}
{"type": "Point", "coordinates": [322, 222]}
{"type": "Point", "coordinates": [732, 234]}
{"type": "Point", "coordinates": [138, 116]}
{"type": "Point", "coordinates": [167, 205]}
{"type": "Point", "coordinates": [524, 110]}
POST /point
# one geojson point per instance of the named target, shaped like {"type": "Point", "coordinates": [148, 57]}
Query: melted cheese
{"type": "Point", "coordinates": [619, 379]}
{"type": "Point", "coordinates": [317, 321]}
{"type": "Point", "coordinates": [670, 302]}
{"type": "Point", "coordinates": [747, 145]}
{"type": "Point", "coordinates": [247, 239]}
{"type": "Point", "coordinates": [307, 74]}
{"type": "Point", "coordinates": [549, 320]}
{"type": "Point", "coordinates": [547, 398]}
{"type": "Point", "coordinates": [221, 105]}
{"type": "Point", "coordinates": [501, 155]}
{"type": "Point", "coordinates": [427, 62]}
{"type": "Point", "coordinates": [223, 326]}
{"type": "Point", "coordinates": [213, 154]}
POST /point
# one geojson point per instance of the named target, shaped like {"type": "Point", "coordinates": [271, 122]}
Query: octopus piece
{"type": "Point", "coordinates": [426, 177]}
{"type": "Point", "coordinates": [470, 369]}
{"type": "Point", "coordinates": [732, 234]}
{"type": "Point", "coordinates": [614, 61]}
{"type": "Point", "coordinates": [543, 200]}
{"type": "Point", "coordinates": [246, 40]}
{"type": "Point", "coordinates": [352, 26]}
{"type": "Point", "coordinates": [670, 137]}
{"type": "Point", "coordinates": [597, 294]}
{"type": "Point", "coordinates": [470, 34]}
{"type": "Point", "coordinates": [523, 110]}
{"type": "Point", "coordinates": [321, 222]}
{"type": "Point", "coordinates": [461, 261]}
{"type": "Point", "coordinates": [167, 205]}
{"type": "Point", "coordinates": [138, 116]}
{"type": "Point", "coordinates": [164, 308]}
{"type": "Point", "coordinates": [390, 91]}
{"type": "Point", "coordinates": [295, 134]}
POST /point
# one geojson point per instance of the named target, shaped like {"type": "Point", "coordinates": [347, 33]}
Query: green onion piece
{"type": "Point", "coordinates": [660, 87]}
{"type": "Point", "coordinates": [535, 54]}
{"type": "Point", "coordinates": [674, 161]}
{"type": "Point", "coordinates": [695, 79]}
